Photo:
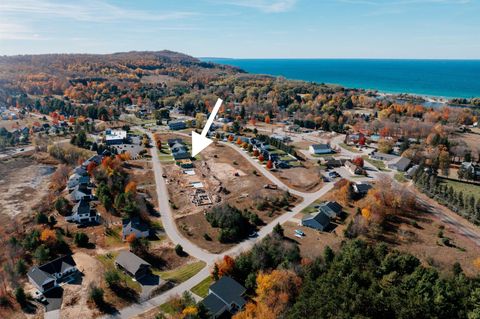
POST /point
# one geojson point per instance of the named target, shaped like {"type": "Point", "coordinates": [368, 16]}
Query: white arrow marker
{"type": "Point", "coordinates": [199, 142]}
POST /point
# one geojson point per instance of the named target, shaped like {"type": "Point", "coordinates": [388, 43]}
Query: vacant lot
{"type": "Point", "coordinates": [227, 178]}
{"type": "Point", "coordinates": [23, 181]}
{"type": "Point", "coordinates": [416, 234]}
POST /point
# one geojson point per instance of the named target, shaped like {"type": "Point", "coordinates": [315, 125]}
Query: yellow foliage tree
{"type": "Point", "coordinates": [189, 311]}
{"type": "Point", "coordinates": [476, 263]}
{"type": "Point", "coordinates": [47, 235]}
{"type": "Point", "coordinates": [366, 213]}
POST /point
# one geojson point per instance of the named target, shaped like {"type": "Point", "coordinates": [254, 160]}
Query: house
{"type": "Point", "coordinates": [354, 169]}
{"type": "Point", "coordinates": [401, 164]}
{"type": "Point", "coordinates": [383, 156]}
{"type": "Point", "coordinates": [132, 265]}
{"type": "Point", "coordinates": [318, 221]}
{"type": "Point", "coordinates": [331, 209]}
{"type": "Point", "coordinates": [411, 171]}
{"type": "Point", "coordinates": [134, 226]}
{"type": "Point", "coordinates": [361, 188]}
{"type": "Point", "coordinates": [470, 170]}
{"type": "Point", "coordinates": [172, 141]}
{"type": "Point", "coordinates": [115, 137]}
{"type": "Point", "coordinates": [316, 149]}
{"type": "Point", "coordinates": [47, 276]}
{"type": "Point", "coordinates": [96, 159]}
{"type": "Point", "coordinates": [83, 213]}
{"type": "Point", "coordinates": [332, 162]}
{"type": "Point", "coordinates": [224, 296]}
{"type": "Point", "coordinates": [80, 192]}
{"type": "Point", "coordinates": [79, 170]}
{"type": "Point", "coordinates": [177, 125]}
{"type": "Point", "coordinates": [76, 180]}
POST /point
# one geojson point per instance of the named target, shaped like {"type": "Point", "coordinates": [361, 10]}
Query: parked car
{"type": "Point", "coordinates": [299, 236]}
{"type": "Point", "coordinates": [253, 234]}
{"type": "Point", "coordinates": [298, 231]}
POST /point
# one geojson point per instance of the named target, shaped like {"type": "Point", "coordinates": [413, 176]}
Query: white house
{"type": "Point", "coordinates": [316, 149]}
{"type": "Point", "coordinates": [83, 213]}
{"type": "Point", "coordinates": [134, 226]}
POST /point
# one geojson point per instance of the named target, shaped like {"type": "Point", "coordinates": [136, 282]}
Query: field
{"type": "Point", "coordinates": [182, 273]}
{"type": "Point", "coordinates": [467, 189]}
{"type": "Point", "coordinates": [202, 288]}
{"type": "Point", "coordinates": [380, 165]}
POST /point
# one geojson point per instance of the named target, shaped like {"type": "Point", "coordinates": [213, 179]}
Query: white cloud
{"type": "Point", "coordinates": [271, 6]}
{"type": "Point", "coordinates": [14, 31]}
{"type": "Point", "coordinates": [84, 10]}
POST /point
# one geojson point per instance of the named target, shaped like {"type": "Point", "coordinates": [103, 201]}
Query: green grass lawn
{"type": "Point", "coordinates": [400, 177]}
{"type": "Point", "coordinates": [108, 262]}
{"type": "Point", "coordinates": [295, 164]}
{"type": "Point", "coordinates": [311, 208]}
{"type": "Point", "coordinates": [181, 274]}
{"type": "Point", "coordinates": [113, 237]}
{"type": "Point", "coordinates": [467, 189]}
{"type": "Point", "coordinates": [349, 148]}
{"type": "Point", "coordinates": [167, 308]}
{"type": "Point", "coordinates": [201, 289]}
{"type": "Point", "coordinates": [377, 163]}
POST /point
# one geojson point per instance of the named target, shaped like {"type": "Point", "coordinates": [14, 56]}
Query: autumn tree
{"type": "Point", "coordinates": [269, 164]}
{"type": "Point", "coordinates": [261, 158]}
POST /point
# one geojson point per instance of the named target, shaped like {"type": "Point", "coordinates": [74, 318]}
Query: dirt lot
{"type": "Point", "coordinates": [305, 179]}
{"type": "Point", "coordinates": [226, 177]}
{"type": "Point", "coordinates": [23, 181]}
{"type": "Point", "coordinates": [76, 294]}
{"type": "Point", "coordinates": [420, 240]}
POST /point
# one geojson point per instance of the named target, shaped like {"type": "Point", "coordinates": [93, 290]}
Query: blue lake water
{"type": "Point", "coordinates": [439, 78]}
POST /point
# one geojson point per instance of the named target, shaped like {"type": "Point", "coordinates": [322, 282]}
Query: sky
{"type": "Point", "coordinates": [405, 29]}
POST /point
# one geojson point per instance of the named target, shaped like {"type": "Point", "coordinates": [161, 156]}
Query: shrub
{"type": "Point", "coordinates": [234, 225]}
{"type": "Point", "coordinates": [81, 239]}
{"type": "Point", "coordinates": [95, 294]}
{"type": "Point", "coordinates": [112, 277]}
{"type": "Point", "coordinates": [179, 250]}
{"type": "Point", "coordinates": [20, 296]}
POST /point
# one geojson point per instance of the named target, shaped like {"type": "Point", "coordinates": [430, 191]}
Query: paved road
{"type": "Point", "coordinates": [177, 238]}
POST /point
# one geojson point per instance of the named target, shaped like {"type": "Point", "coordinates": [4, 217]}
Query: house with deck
{"type": "Point", "coordinates": [49, 275]}
{"type": "Point", "coordinates": [225, 298]}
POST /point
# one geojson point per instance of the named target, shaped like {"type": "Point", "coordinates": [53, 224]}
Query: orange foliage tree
{"type": "Point", "coordinates": [130, 238]}
{"type": "Point", "coordinates": [269, 164]}
{"type": "Point", "coordinates": [261, 158]}
{"type": "Point", "coordinates": [131, 187]}
{"type": "Point", "coordinates": [275, 293]}
{"type": "Point", "coordinates": [47, 235]}
{"type": "Point", "coordinates": [267, 119]}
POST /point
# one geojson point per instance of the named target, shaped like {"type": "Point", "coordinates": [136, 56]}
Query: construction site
{"type": "Point", "coordinates": [220, 176]}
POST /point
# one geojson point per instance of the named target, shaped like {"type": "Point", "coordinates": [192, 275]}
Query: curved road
{"type": "Point", "coordinates": [176, 237]}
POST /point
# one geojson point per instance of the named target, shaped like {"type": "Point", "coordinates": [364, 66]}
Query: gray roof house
{"type": "Point", "coordinates": [226, 295]}
{"type": "Point", "coordinates": [401, 164]}
{"type": "Point", "coordinates": [134, 226]}
{"type": "Point", "coordinates": [331, 209]}
{"type": "Point", "coordinates": [361, 188]}
{"type": "Point", "coordinates": [47, 276]}
{"type": "Point", "coordinates": [383, 156]}
{"type": "Point", "coordinates": [412, 171]}
{"type": "Point", "coordinates": [177, 125]}
{"type": "Point", "coordinates": [76, 180]}
{"type": "Point", "coordinates": [81, 192]}
{"type": "Point", "coordinates": [320, 149]}
{"type": "Point", "coordinates": [82, 213]}
{"type": "Point", "coordinates": [318, 221]}
{"type": "Point", "coordinates": [131, 264]}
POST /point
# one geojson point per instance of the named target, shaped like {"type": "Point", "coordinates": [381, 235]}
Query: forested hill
{"type": "Point", "coordinates": [53, 73]}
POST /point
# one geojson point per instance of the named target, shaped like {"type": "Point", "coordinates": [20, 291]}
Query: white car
{"type": "Point", "coordinates": [39, 296]}
{"type": "Point", "coordinates": [298, 235]}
